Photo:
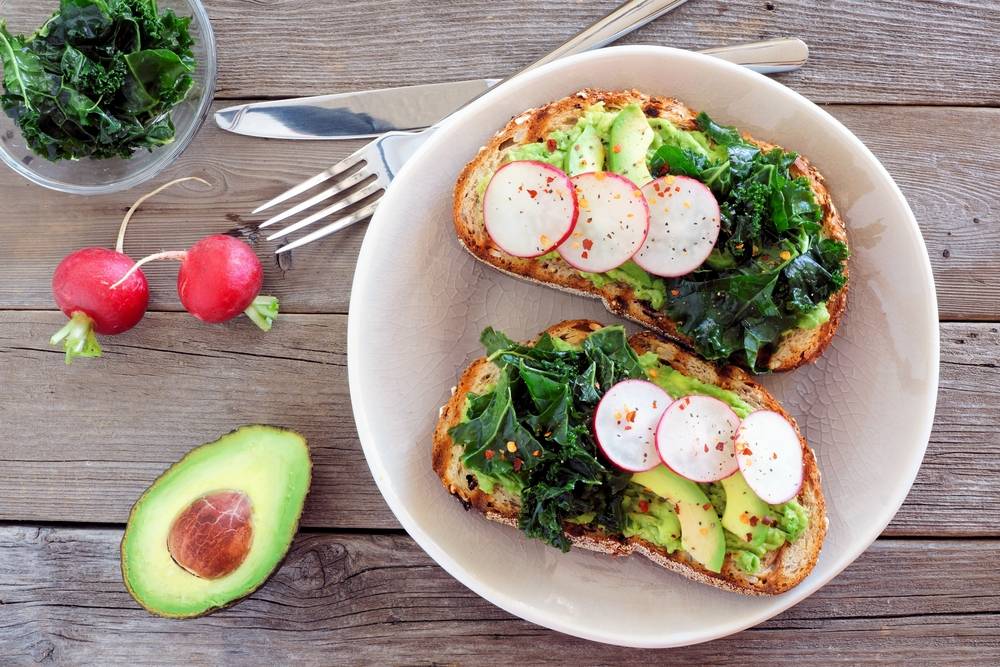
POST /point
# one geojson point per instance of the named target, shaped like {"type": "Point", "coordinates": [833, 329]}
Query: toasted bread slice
{"type": "Point", "coordinates": [795, 348]}
{"type": "Point", "coordinates": [780, 570]}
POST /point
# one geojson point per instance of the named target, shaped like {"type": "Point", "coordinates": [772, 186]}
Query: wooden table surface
{"type": "Point", "coordinates": [918, 81]}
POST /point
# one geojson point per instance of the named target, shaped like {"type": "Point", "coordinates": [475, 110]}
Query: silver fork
{"type": "Point", "coordinates": [374, 165]}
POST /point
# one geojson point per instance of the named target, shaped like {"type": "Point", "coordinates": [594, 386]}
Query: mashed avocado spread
{"type": "Point", "coordinates": [541, 405]}
{"type": "Point", "coordinates": [772, 269]}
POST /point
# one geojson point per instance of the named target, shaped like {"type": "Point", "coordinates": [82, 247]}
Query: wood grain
{"type": "Point", "coordinates": [912, 51]}
{"type": "Point", "coordinates": [174, 383]}
{"type": "Point", "coordinates": [940, 172]}
{"type": "Point", "coordinates": [363, 599]}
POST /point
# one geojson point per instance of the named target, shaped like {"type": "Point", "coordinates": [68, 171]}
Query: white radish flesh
{"type": "Point", "coordinates": [770, 456]}
{"type": "Point", "coordinates": [684, 225]}
{"type": "Point", "coordinates": [529, 208]}
{"type": "Point", "coordinates": [695, 438]}
{"type": "Point", "coordinates": [625, 424]}
{"type": "Point", "coordinates": [612, 223]}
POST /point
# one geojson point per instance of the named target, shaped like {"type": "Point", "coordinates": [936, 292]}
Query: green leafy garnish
{"type": "Point", "coordinates": [530, 432]}
{"type": "Point", "coordinates": [98, 79]}
{"type": "Point", "coordinates": [771, 268]}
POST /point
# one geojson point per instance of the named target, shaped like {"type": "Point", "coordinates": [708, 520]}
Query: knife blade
{"type": "Point", "coordinates": [354, 115]}
{"type": "Point", "coordinates": [369, 113]}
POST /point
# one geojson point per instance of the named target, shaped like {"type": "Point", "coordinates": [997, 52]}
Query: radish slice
{"type": "Point", "coordinates": [529, 208]}
{"type": "Point", "coordinates": [612, 225]}
{"type": "Point", "coordinates": [695, 438]}
{"type": "Point", "coordinates": [625, 424]}
{"type": "Point", "coordinates": [770, 456]}
{"type": "Point", "coordinates": [683, 226]}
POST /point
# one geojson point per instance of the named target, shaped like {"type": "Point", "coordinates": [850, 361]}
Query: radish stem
{"type": "Point", "coordinates": [263, 310]}
{"type": "Point", "coordinates": [120, 244]}
{"type": "Point", "coordinates": [78, 338]}
{"type": "Point", "coordinates": [179, 255]}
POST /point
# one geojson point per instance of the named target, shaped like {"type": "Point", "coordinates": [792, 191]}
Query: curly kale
{"type": "Point", "coordinates": [771, 268]}
{"type": "Point", "coordinates": [98, 79]}
{"type": "Point", "coordinates": [530, 434]}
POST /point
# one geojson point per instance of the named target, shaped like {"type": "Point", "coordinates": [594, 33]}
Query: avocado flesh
{"type": "Point", "coordinates": [270, 465]}
{"type": "Point", "coordinates": [701, 529]}
{"type": "Point", "coordinates": [630, 138]}
{"type": "Point", "coordinates": [740, 501]}
{"type": "Point", "coordinates": [586, 154]}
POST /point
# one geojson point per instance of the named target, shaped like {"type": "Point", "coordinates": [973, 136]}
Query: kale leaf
{"type": "Point", "coordinates": [530, 432]}
{"type": "Point", "coordinates": [98, 79]}
{"type": "Point", "coordinates": [770, 267]}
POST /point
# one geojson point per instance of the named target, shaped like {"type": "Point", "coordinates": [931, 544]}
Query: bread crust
{"type": "Point", "coordinates": [794, 349]}
{"type": "Point", "coordinates": [780, 571]}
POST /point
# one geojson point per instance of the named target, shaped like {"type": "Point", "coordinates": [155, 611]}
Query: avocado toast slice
{"type": "Point", "coordinates": [777, 570]}
{"type": "Point", "coordinates": [786, 341]}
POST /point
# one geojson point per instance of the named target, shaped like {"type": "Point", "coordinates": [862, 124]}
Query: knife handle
{"type": "Point", "coordinates": [769, 57]}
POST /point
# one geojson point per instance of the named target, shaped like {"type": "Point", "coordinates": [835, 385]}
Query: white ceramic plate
{"type": "Point", "coordinates": [420, 301]}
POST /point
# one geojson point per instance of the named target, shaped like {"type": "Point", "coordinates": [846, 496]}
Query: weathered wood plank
{"type": "Point", "coordinates": [173, 383]}
{"type": "Point", "coordinates": [81, 442]}
{"type": "Point", "coordinates": [936, 155]}
{"type": "Point", "coordinates": [898, 51]}
{"type": "Point", "coordinates": [363, 599]}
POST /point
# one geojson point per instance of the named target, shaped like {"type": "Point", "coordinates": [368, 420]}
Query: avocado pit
{"type": "Point", "coordinates": [212, 536]}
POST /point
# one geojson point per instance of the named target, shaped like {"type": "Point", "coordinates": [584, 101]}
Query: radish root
{"type": "Point", "coordinates": [120, 244]}
{"type": "Point", "coordinates": [179, 255]}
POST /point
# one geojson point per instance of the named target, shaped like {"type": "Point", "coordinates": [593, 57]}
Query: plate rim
{"type": "Point", "coordinates": [527, 611]}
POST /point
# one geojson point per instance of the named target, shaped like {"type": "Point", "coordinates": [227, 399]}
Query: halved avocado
{"type": "Point", "coordinates": [217, 523]}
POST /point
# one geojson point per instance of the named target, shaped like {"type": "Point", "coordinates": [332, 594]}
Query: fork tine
{"type": "Point", "coordinates": [354, 198]}
{"type": "Point", "coordinates": [335, 189]}
{"type": "Point", "coordinates": [332, 228]}
{"type": "Point", "coordinates": [340, 167]}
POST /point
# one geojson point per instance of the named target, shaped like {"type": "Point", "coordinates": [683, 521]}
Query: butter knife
{"type": "Point", "coordinates": [370, 113]}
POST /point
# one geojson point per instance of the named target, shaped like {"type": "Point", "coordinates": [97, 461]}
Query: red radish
{"type": "Point", "coordinates": [85, 288]}
{"type": "Point", "coordinates": [695, 438]}
{"type": "Point", "coordinates": [529, 208]}
{"type": "Point", "coordinates": [684, 225]}
{"type": "Point", "coordinates": [221, 277]}
{"type": "Point", "coordinates": [612, 223]}
{"type": "Point", "coordinates": [770, 456]}
{"type": "Point", "coordinates": [625, 424]}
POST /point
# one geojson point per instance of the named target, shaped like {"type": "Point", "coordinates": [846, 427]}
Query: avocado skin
{"type": "Point", "coordinates": [284, 554]}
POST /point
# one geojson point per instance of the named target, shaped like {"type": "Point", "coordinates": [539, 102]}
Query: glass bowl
{"type": "Point", "coordinates": [94, 177]}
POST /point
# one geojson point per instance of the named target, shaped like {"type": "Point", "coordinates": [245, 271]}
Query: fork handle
{"type": "Point", "coordinates": [630, 16]}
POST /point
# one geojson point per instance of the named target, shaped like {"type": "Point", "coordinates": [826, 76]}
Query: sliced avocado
{"type": "Point", "coordinates": [251, 484]}
{"type": "Point", "coordinates": [701, 529]}
{"type": "Point", "coordinates": [745, 511]}
{"type": "Point", "coordinates": [586, 154]}
{"type": "Point", "coordinates": [629, 139]}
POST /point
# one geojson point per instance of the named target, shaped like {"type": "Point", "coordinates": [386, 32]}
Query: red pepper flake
{"type": "Point", "coordinates": [588, 244]}
{"type": "Point", "coordinates": [536, 453]}
{"type": "Point", "coordinates": [585, 254]}
{"type": "Point", "coordinates": [532, 193]}
{"type": "Point", "coordinates": [706, 506]}
{"type": "Point", "coordinates": [675, 292]}
{"type": "Point", "coordinates": [719, 446]}
{"type": "Point", "coordinates": [753, 521]}
{"type": "Point", "coordinates": [630, 415]}
{"type": "Point", "coordinates": [617, 148]}
{"type": "Point", "coordinates": [749, 537]}
{"type": "Point", "coordinates": [643, 506]}
{"type": "Point", "coordinates": [654, 402]}
{"type": "Point", "coordinates": [774, 456]}
{"type": "Point", "coordinates": [682, 406]}
{"type": "Point", "coordinates": [551, 145]}
{"type": "Point", "coordinates": [489, 454]}
{"type": "Point", "coordinates": [677, 508]}
{"type": "Point", "coordinates": [517, 465]}
{"type": "Point", "coordinates": [747, 452]}
{"type": "Point", "coordinates": [548, 181]}
{"type": "Point", "coordinates": [706, 448]}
